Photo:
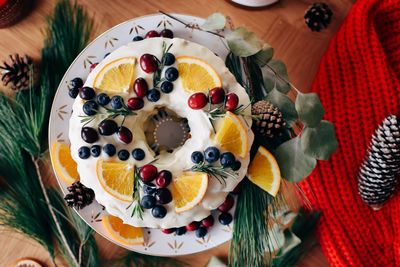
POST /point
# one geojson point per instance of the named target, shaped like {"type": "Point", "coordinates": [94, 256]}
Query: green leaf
{"type": "Point", "coordinates": [215, 21]}
{"type": "Point", "coordinates": [264, 55]}
{"type": "Point", "coordinates": [270, 79]}
{"type": "Point", "coordinates": [243, 43]}
{"type": "Point", "coordinates": [309, 108]}
{"type": "Point", "coordinates": [319, 142]}
{"type": "Point", "coordinates": [293, 163]}
{"type": "Point", "coordinates": [285, 105]}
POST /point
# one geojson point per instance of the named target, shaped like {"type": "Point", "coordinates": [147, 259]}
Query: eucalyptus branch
{"type": "Point", "coordinates": [218, 172]}
{"type": "Point", "coordinates": [283, 79]}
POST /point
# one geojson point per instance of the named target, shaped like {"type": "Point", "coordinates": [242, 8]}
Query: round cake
{"type": "Point", "coordinates": [161, 131]}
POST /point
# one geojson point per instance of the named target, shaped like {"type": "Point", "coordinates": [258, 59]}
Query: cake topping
{"type": "Point", "coordinates": [197, 101]}
{"type": "Point", "coordinates": [140, 87]}
{"type": "Point", "coordinates": [148, 63]}
{"type": "Point", "coordinates": [103, 99]}
{"type": "Point", "coordinates": [125, 135]}
{"type": "Point", "coordinates": [89, 135]}
{"type": "Point", "coordinates": [87, 93]}
{"type": "Point", "coordinates": [167, 33]}
{"type": "Point", "coordinates": [107, 127]}
{"type": "Point", "coordinates": [216, 95]}
{"type": "Point", "coordinates": [138, 154]}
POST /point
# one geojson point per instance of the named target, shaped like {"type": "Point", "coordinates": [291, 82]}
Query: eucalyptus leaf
{"type": "Point", "coordinates": [270, 79]}
{"type": "Point", "coordinates": [243, 43]}
{"type": "Point", "coordinates": [215, 21]}
{"type": "Point", "coordinates": [293, 163]}
{"type": "Point", "coordinates": [264, 55]}
{"type": "Point", "coordinates": [319, 142]}
{"type": "Point", "coordinates": [285, 105]}
{"type": "Point", "coordinates": [309, 108]}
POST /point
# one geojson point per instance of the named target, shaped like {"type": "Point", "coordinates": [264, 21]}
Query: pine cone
{"type": "Point", "coordinates": [378, 173]}
{"type": "Point", "coordinates": [79, 196]}
{"type": "Point", "coordinates": [270, 121]}
{"type": "Point", "coordinates": [318, 16]}
{"type": "Point", "coordinates": [18, 72]}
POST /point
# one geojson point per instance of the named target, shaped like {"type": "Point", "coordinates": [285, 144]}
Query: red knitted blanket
{"type": "Point", "coordinates": [358, 83]}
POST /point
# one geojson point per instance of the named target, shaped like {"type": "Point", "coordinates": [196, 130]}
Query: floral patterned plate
{"type": "Point", "coordinates": [156, 242]}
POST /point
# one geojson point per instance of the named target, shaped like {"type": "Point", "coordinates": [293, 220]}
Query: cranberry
{"type": "Point", "coordinates": [217, 95]}
{"type": "Point", "coordinates": [152, 34]}
{"type": "Point", "coordinates": [140, 87]}
{"type": "Point", "coordinates": [148, 173]}
{"type": "Point", "coordinates": [135, 103]}
{"type": "Point", "coordinates": [92, 66]}
{"type": "Point", "coordinates": [125, 135]}
{"type": "Point", "coordinates": [197, 101]}
{"type": "Point", "coordinates": [232, 101]}
{"type": "Point", "coordinates": [108, 127]}
{"type": "Point", "coordinates": [167, 33]}
{"type": "Point", "coordinates": [148, 63]}
{"type": "Point", "coordinates": [89, 135]}
{"type": "Point", "coordinates": [168, 231]}
{"type": "Point", "coordinates": [164, 178]}
{"type": "Point", "coordinates": [227, 205]}
{"type": "Point", "coordinates": [193, 226]}
{"type": "Point", "coordinates": [208, 222]}
{"type": "Point", "coordinates": [163, 196]}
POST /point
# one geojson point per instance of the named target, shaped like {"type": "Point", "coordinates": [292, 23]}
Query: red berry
{"type": "Point", "coordinates": [232, 101]}
{"type": "Point", "coordinates": [217, 95]}
{"type": "Point", "coordinates": [92, 66]}
{"type": "Point", "coordinates": [167, 33]}
{"type": "Point", "coordinates": [193, 226]}
{"type": "Point", "coordinates": [140, 87]}
{"type": "Point", "coordinates": [208, 222]}
{"type": "Point", "coordinates": [197, 101]}
{"type": "Point", "coordinates": [148, 173]}
{"type": "Point", "coordinates": [164, 178]}
{"type": "Point", "coordinates": [151, 34]}
{"type": "Point", "coordinates": [125, 135]}
{"type": "Point", "coordinates": [168, 231]}
{"type": "Point", "coordinates": [227, 205]}
{"type": "Point", "coordinates": [148, 63]}
{"type": "Point", "coordinates": [135, 103]}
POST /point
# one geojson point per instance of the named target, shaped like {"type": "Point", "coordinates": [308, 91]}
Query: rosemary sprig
{"type": "Point", "coordinates": [161, 64]}
{"type": "Point", "coordinates": [137, 209]}
{"type": "Point", "coordinates": [109, 113]}
{"type": "Point", "coordinates": [220, 112]}
{"type": "Point", "coordinates": [218, 172]}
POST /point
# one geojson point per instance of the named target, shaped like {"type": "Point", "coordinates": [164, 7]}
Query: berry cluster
{"type": "Point", "coordinates": [155, 195]}
{"type": "Point", "coordinates": [166, 33]}
{"type": "Point", "coordinates": [212, 154]}
{"type": "Point", "coordinates": [75, 85]}
{"type": "Point", "coordinates": [215, 96]}
{"type": "Point", "coordinates": [110, 150]}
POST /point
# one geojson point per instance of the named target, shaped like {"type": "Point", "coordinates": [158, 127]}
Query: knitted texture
{"type": "Point", "coordinates": [358, 85]}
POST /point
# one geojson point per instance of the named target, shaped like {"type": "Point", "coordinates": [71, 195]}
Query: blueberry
{"type": "Point", "coordinates": [197, 157]}
{"type": "Point", "coordinates": [90, 108]}
{"type": "Point", "coordinates": [225, 218]}
{"type": "Point", "coordinates": [138, 154]}
{"type": "Point", "coordinates": [95, 151]}
{"type": "Point", "coordinates": [201, 232]}
{"type": "Point", "coordinates": [171, 74]}
{"type": "Point", "coordinates": [166, 87]}
{"type": "Point", "coordinates": [123, 154]}
{"type": "Point", "coordinates": [73, 92]}
{"type": "Point", "coordinates": [211, 154]}
{"type": "Point", "coordinates": [106, 55]}
{"type": "Point", "coordinates": [236, 166]}
{"type": "Point", "coordinates": [153, 95]}
{"type": "Point", "coordinates": [227, 159]}
{"type": "Point", "coordinates": [109, 149]}
{"type": "Point", "coordinates": [168, 59]}
{"type": "Point", "coordinates": [137, 38]}
{"type": "Point", "coordinates": [116, 102]}
{"type": "Point", "coordinates": [103, 99]}
{"type": "Point", "coordinates": [87, 93]}
{"type": "Point", "coordinates": [180, 230]}
{"type": "Point", "coordinates": [149, 189]}
{"type": "Point", "coordinates": [163, 196]}
{"type": "Point", "coordinates": [148, 202]}
{"type": "Point", "coordinates": [76, 83]}
{"type": "Point", "coordinates": [84, 152]}
{"type": "Point", "coordinates": [159, 211]}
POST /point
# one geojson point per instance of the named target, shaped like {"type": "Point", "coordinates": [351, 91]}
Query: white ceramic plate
{"type": "Point", "coordinates": [156, 242]}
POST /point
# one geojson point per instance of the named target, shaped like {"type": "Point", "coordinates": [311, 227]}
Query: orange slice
{"type": "Point", "coordinates": [64, 165]}
{"type": "Point", "coordinates": [123, 233]}
{"type": "Point", "coordinates": [116, 179]}
{"type": "Point", "coordinates": [232, 135]}
{"type": "Point", "coordinates": [117, 76]}
{"type": "Point", "coordinates": [264, 171]}
{"type": "Point", "coordinates": [188, 190]}
{"type": "Point", "coordinates": [197, 75]}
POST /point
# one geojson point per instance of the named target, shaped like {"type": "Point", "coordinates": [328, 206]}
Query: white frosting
{"type": "Point", "coordinates": [201, 135]}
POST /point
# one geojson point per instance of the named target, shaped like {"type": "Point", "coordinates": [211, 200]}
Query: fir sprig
{"type": "Point", "coordinates": [220, 173]}
{"type": "Point", "coordinates": [161, 64]}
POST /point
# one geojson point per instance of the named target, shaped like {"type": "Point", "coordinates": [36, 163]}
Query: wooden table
{"type": "Point", "coordinates": [281, 25]}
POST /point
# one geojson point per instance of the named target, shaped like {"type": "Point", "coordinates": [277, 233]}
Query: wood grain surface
{"type": "Point", "coordinates": [281, 25]}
